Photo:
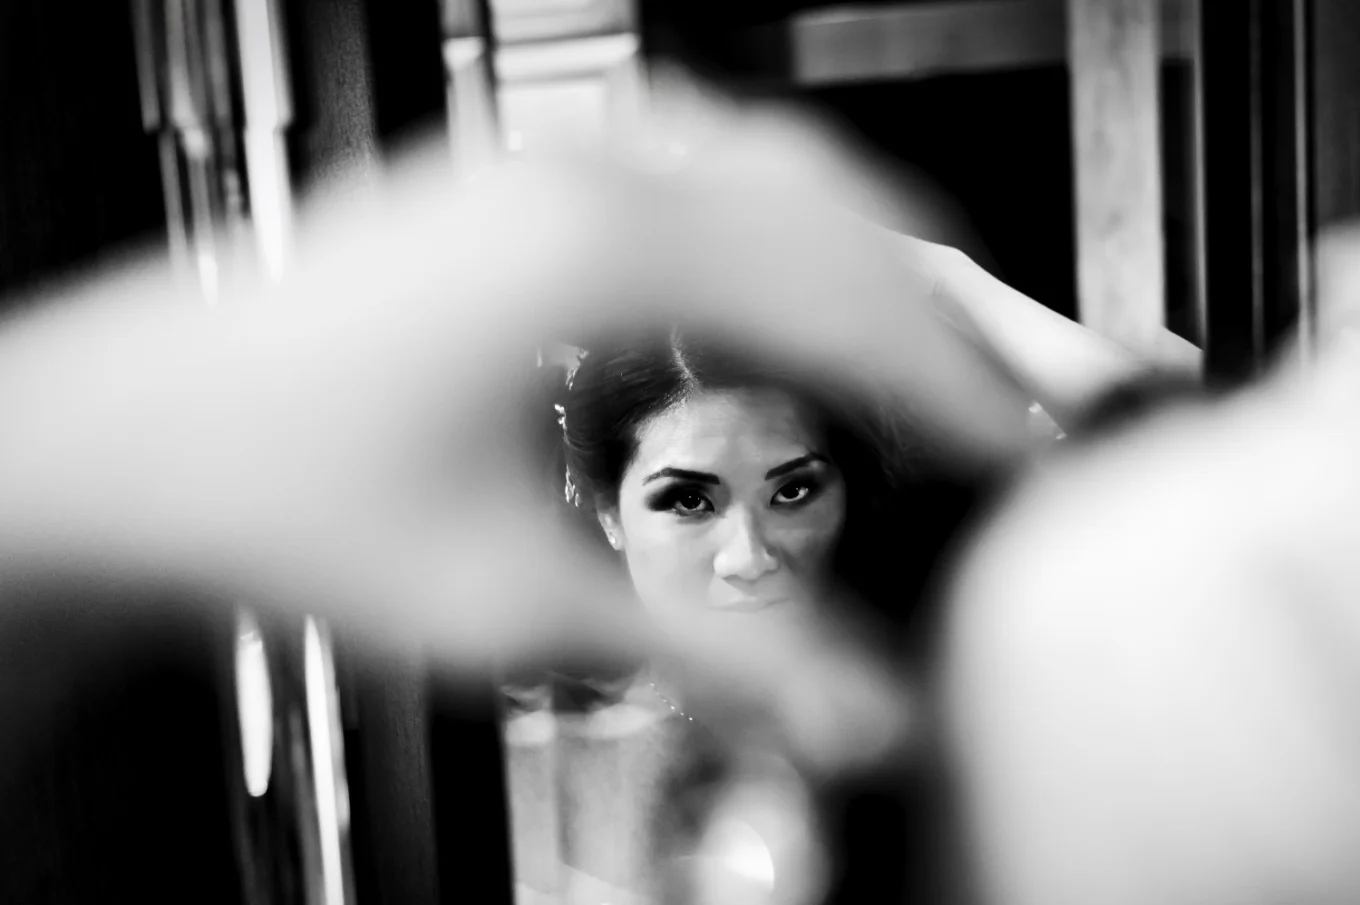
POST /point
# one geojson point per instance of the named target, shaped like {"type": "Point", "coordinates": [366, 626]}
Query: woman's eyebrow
{"type": "Point", "coordinates": [793, 465]}
{"type": "Point", "coordinates": [700, 477]}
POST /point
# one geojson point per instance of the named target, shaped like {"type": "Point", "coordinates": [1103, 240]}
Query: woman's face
{"type": "Point", "coordinates": [730, 502]}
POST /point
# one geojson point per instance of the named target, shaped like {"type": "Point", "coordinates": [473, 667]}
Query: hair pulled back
{"type": "Point", "coordinates": [903, 502]}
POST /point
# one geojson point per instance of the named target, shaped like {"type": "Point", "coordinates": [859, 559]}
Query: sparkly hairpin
{"type": "Point", "coordinates": [572, 369]}
{"type": "Point", "coordinates": [570, 490]}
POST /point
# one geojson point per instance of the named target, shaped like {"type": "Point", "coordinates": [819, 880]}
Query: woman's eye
{"type": "Point", "coordinates": [793, 493]}
{"type": "Point", "coordinates": [681, 501]}
{"type": "Point", "coordinates": [690, 503]}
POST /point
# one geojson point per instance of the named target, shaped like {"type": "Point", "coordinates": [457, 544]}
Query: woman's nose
{"type": "Point", "coordinates": [744, 556]}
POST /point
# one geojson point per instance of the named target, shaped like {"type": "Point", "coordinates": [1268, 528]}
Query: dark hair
{"type": "Point", "coordinates": [904, 502]}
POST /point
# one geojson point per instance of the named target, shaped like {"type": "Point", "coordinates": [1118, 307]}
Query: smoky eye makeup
{"type": "Point", "coordinates": [796, 491]}
{"type": "Point", "coordinates": [682, 498]}
{"type": "Point", "coordinates": [800, 488]}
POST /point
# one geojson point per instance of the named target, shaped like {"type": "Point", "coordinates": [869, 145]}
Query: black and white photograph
{"type": "Point", "coordinates": [680, 452]}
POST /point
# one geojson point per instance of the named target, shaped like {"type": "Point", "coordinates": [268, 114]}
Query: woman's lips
{"type": "Point", "coordinates": [749, 604]}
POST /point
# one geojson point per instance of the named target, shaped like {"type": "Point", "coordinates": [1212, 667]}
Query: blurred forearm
{"type": "Point", "coordinates": [1064, 365]}
{"type": "Point", "coordinates": [113, 416]}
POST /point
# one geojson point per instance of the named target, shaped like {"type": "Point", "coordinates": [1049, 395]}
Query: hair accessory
{"type": "Point", "coordinates": [573, 368]}
{"type": "Point", "coordinates": [569, 491]}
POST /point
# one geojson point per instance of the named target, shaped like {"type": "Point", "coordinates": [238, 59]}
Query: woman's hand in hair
{"type": "Point", "coordinates": [1066, 367]}
{"type": "Point", "coordinates": [1056, 360]}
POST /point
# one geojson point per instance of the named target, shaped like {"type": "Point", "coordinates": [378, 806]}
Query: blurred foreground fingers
{"type": "Point", "coordinates": [1152, 661]}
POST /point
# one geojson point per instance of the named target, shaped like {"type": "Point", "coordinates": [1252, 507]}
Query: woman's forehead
{"type": "Point", "coordinates": [719, 431]}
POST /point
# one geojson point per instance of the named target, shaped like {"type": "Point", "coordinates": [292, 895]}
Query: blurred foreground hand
{"type": "Point", "coordinates": [353, 441]}
{"type": "Point", "coordinates": [1155, 657]}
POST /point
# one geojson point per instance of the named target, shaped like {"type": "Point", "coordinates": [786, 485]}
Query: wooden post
{"type": "Point", "coordinates": [1113, 57]}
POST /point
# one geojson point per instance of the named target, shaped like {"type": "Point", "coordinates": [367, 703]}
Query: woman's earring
{"type": "Point", "coordinates": [613, 541]}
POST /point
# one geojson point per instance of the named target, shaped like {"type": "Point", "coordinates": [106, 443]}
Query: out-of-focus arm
{"type": "Point", "coordinates": [97, 405]}
{"type": "Point", "coordinates": [1064, 365]}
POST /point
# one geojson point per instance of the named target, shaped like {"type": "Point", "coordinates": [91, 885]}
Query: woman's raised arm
{"type": "Point", "coordinates": [1064, 365]}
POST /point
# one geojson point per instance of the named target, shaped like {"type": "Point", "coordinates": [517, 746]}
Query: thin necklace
{"type": "Point", "coordinates": [669, 703]}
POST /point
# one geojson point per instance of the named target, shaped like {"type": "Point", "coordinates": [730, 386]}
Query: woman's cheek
{"type": "Point", "coordinates": [818, 554]}
{"type": "Point", "coordinates": [668, 571]}
{"type": "Point", "coordinates": [814, 544]}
